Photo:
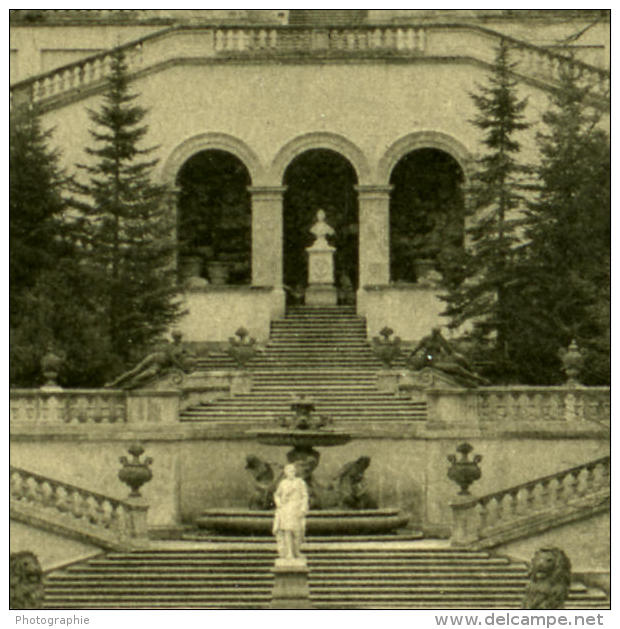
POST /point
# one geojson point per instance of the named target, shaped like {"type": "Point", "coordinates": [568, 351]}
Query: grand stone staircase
{"type": "Point", "coordinates": [322, 353]}
{"type": "Point", "coordinates": [343, 575]}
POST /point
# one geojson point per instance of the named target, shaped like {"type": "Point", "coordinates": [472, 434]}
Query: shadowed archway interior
{"type": "Point", "coordinates": [426, 216]}
{"type": "Point", "coordinates": [321, 179]}
{"type": "Point", "coordinates": [215, 216]}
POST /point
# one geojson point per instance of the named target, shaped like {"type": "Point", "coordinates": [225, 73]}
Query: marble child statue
{"type": "Point", "coordinates": [289, 524]}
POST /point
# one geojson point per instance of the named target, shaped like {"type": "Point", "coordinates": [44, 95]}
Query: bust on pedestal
{"type": "Point", "coordinates": [321, 290]}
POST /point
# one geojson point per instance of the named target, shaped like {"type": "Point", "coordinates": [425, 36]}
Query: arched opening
{"type": "Point", "coordinates": [426, 217]}
{"type": "Point", "coordinates": [214, 219]}
{"type": "Point", "coordinates": [320, 179]}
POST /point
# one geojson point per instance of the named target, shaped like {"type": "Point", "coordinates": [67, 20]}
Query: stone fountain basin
{"type": "Point", "coordinates": [328, 522]}
{"type": "Point", "coordinates": [301, 438]}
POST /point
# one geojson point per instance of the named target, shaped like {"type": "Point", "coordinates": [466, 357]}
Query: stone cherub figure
{"type": "Point", "coordinates": [289, 523]}
{"type": "Point", "coordinates": [156, 364]}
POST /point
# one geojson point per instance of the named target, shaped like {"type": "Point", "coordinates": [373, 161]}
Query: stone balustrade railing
{"type": "Point", "coordinates": [488, 516]}
{"type": "Point", "coordinates": [514, 406]}
{"type": "Point", "coordinates": [203, 42]}
{"type": "Point", "coordinates": [68, 406]}
{"type": "Point", "coordinates": [97, 517]}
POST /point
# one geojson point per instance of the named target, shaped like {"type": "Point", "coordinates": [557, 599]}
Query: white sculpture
{"type": "Point", "coordinates": [321, 230]}
{"type": "Point", "coordinates": [321, 290]}
{"type": "Point", "coordinates": [289, 524]}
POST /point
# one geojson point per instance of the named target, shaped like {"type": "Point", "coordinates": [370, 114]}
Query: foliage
{"type": "Point", "coordinates": [125, 226]}
{"type": "Point", "coordinates": [568, 230]}
{"type": "Point", "coordinates": [47, 300]}
{"type": "Point", "coordinates": [35, 205]}
{"type": "Point", "coordinates": [485, 298]}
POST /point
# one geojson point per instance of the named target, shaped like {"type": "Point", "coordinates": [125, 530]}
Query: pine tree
{"type": "Point", "coordinates": [127, 229]}
{"type": "Point", "coordinates": [568, 229]}
{"type": "Point", "coordinates": [485, 299]}
{"type": "Point", "coordinates": [35, 204]}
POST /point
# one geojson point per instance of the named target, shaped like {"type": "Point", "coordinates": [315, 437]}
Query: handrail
{"type": "Point", "coordinates": [605, 460]}
{"type": "Point", "coordinates": [252, 39]}
{"type": "Point", "coordinates": [65, 485]}
{"type": "Point", "coordinates": [63, 507]}
{"type": "Point", "coordinates": [532, 506]}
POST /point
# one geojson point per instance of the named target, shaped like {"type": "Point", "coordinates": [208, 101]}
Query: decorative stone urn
{"type": "Point", "coordinates": [572, 362]}
{"type": "Point", "coordinates": [385, 348]}
{"type": "Point", "coordinates": [51, 364]}
{"type": "Point", "coordinates": [135, 473]}
{"type": "Point", "coordinates": [242, 348]}
{"type": "Point", "coordinates": [464, 472]}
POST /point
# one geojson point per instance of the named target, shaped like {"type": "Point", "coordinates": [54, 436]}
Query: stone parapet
{"type": "Point", "coordinates": [466, 41]}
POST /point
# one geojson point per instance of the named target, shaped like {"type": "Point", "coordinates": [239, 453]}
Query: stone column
{"type": "Point", "coordinates": [267, 235]}
{"type": "Point", "coordinates": [374, 234]}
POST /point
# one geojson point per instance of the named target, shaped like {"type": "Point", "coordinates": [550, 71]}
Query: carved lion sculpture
{"type": "Point", "coordinates": [550, 576]}
{"type": "Point", "coordinates": [25, 581]}
{"type": "Point", "coordinates": [265, 483]}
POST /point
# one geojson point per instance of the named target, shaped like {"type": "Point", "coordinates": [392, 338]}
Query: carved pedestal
{"type": "Point", "coordinates": [321, 290]}
{"type": "Point", "coordinates": [290, 588]}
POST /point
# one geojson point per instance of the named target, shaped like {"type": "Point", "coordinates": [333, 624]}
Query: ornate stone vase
{"type": "Point", "coordinates": [386, 349]}
{"type": "Point", "coordinates": [572, 362]}
{"type": "Point", "coordinates": [464, 472]}
{"type": "Point", "coordinates": [135, 473]}
{"type": "Point", "coordinates": [242, 349]}
{"type": "Point", "coordinates": [51, 364]}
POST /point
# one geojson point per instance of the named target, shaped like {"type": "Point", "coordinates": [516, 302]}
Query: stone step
{"type": "Point", "coordinates": [240, 577]}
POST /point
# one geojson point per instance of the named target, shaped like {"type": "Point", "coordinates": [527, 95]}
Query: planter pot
{"type": "Point", "coordinates": [218, 272]}
{"type": "Point", "coordinates": [191, 266]}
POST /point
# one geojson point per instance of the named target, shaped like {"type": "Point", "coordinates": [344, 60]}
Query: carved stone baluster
{"type": "Point", "coordinates": [91, 408]}
{"type": "Point", "coordinates": [81, 409]}
{"type": "Point", "coordinates": [107, 513]}
{"type": "Point", "coordinates": [18, 485]}
{"type": "Point", "coordinates": [63, 499]}
{"type": "Point", "coordinates": [483, 512]}
{"type": "Point", "coordinates": [55, 405]}
{"type": "Point", "coordinates": [529, 503]}
{"type": "Point", "coordinates": [513, 503]}
{"type": "Point", "coordinates": [93, 509]}
{"type": "Point", "coordinates": [545, 494]}
{"type": "Point", "coordinates": [77, 76]}
{"type": "Point", "coordinates": [560, 489]}
{"type": "Point", "coordinates": [500, 509]}
{"type": "Point", "coordinates": [31, 487]}
{"type": "Point", "coordinates": [571, 485]}
{"type": "Point", "coordinates": [104, 409]}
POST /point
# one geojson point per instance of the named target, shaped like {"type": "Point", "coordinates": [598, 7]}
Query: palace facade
{"type": "Point", "coordinates": [263, 117]}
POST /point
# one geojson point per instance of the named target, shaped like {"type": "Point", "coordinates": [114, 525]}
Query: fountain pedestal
{"type": "Point", "coordinates": [340, 506]}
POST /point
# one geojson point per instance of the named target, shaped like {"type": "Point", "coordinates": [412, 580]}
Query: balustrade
{"type": "Point", "coordinates": [534, 404]}
{"type": "Point", "coordinates": [531, 60]}
{"type": "Point", "coordinates": [67, 406]}
{"type": "Point", "coordinates": [77, 507]}
{"type": "Point", "coordinates": [489, 515]}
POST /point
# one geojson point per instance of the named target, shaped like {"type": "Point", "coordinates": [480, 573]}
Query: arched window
{"type": "Point", "coordinates": [321, 179]}
{"type": "Point", "coordinates": [426, 217]}
{"type": "Point", "coordinates": [214, 218]}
